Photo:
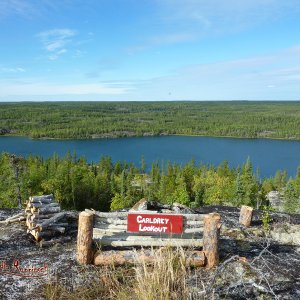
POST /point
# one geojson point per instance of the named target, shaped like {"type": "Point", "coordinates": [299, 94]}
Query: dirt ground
{"type": "Point", "coordinates": [252, 264]}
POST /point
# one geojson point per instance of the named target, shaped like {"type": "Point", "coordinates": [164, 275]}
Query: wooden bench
{"type": "Point", "coordinates": [111, 229]}
{"type": "Point", "coordinates": [147, 229]}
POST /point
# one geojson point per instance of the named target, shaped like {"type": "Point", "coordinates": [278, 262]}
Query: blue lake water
{"type": "Point", "coordinates": [267, 155]}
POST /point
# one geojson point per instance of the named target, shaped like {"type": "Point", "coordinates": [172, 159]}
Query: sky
{"type": "Point", "coordinates": [149, 50]}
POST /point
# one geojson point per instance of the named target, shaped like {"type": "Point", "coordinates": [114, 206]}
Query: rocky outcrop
{"type": "Point", "coordinates": [276, 200]}
{"type": "Point", "coordinates": [286, 234]}
{"type": "Point", "coordinates": [4, 131]}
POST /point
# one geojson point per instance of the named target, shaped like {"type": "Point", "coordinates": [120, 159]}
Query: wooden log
{"type": "Point", "coordinates": [43, 205]}
{"type": "Point", "coordinates": [178, 207]}
{"type": "Point", "coordinates": [28, 221]}
{"type": "Point", "coordinates": [52, 220]}
{"type": "Point", "coordinates": [146, 241]}
{"type": "Point", "coordinates": [19, 219]}
{"type": "Point", "coordinates": [35, 233]}
{"type": "Point", "coordinates": [52, 231]}
{"type": "Point", "coordinates": [46, 210]}
{"type": "Point", "coordinates": [56, 228]}
{"type": "Point", "coordinates": [22, 214]}
{"type": "Point", "coordinates": [48, 233]}
{"type": "Point", "coordinates": [85, 238]}
{"type": "Point", "coordinates": [16, 218]}
{"type": "Point", "coordinates": [36, 216]}
{"type": "Point", "coordinates": [122, 236]}
{"type": "Point", "coordinates": [110, 226]}
{"type": "Point", "coordinates": [246, 215]}
{"type": "Point", "coordinates": [194, 230]}
{"type": "Point", "coordinates": [58, 224]}
{"type": "Point", "coordinates": [30, 225]}
{"type": "Point", "coordinates": [118, 214]}
{"type": "Point", "coordinates": [41, 199]}
{"type": "Point", "coordinates": [124, 257]}
{"type": "Point", "coordinates": [129, 257]}
{"type": "Point", "coordinates": [195, 258]}
{"type": "Point", "coordinates": [52, 242]}
{"type": "Point", "coordinates": [116, 221]}
{"type": "Point", "coordinates": [211, 234]}
{"type": "Point", "coordinates": [193, 223]}
{"type": "Point", "coordinates": [33, 198]}
{"type": "Point", "coordinates": [123, 215]}
{"type": "Point", "coordinates": [140, 205]}
{"type": "Point", "coordinates": [123, 228]}
{"type": "Point", "coordinates": [6, 222]}
{"type": "Point", "coordinates": [72, 215]}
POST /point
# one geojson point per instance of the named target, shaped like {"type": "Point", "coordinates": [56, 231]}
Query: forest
{"type": "Point", "coordinates": [107, 186]}
{"type": "Point", "coordinates": [85, 120]}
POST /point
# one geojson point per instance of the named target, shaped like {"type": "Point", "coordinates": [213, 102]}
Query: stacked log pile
{"type": "Point", "coordinates": [45, 221]}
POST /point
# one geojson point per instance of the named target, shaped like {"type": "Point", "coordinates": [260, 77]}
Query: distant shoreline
{"type": "Point", "coordinates": [91, 120]}
{"type": "Point", "coordinates": [145, 136]}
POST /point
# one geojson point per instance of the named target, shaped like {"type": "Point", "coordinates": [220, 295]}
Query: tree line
{"type": "Point", "coordinates": [122, 119]}
{"type": "Point", "coordinates": [107, 186]}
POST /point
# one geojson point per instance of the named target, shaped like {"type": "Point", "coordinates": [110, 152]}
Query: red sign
{"type": "Point", "coordinates": [155, 223]}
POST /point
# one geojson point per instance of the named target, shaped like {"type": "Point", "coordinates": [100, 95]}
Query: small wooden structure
{"type": "Point", "coordinates": [147, 229]}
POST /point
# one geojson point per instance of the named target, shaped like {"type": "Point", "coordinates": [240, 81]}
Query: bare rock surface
{"type": "Point", "coordinates": [254, 263]}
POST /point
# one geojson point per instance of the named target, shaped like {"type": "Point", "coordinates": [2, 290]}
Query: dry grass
{"type": "Point", "coordinates": [164, 280]}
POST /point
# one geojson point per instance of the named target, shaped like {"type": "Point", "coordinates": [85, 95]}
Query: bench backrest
{"type": "Point", "coordinates": [146, 228]}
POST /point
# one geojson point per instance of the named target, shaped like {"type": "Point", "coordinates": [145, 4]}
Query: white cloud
{"type": "Point", "coordinates": [217, 16]}
{"type": "Point", "coordinates": [30, 9]}
{"type": "Point", "coordinates": [16, 7]}
{"type": "Point", "coordinates": [191, 20]}
{"type": "Point", "coordinates": [275, 76]}
{"type": "Point", "coordinates": [55, 41]}
{"type": "Point", "coordinates": [12, 70]}
{"type": "Point", "coordinates": [165, 39]}
{"type": "Point", "coordinates": [28, 89]}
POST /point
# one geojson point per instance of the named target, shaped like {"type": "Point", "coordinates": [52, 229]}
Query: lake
{"type": "Point", "coordinates": [267, 155]}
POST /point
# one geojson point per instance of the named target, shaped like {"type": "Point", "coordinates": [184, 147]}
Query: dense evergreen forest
{"type": "Point", "coordinates": [119, 119]}
{"type": "Point", "coordinates": [108, 186]}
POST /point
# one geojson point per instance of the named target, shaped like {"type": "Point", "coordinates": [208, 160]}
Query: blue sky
{"type": "Point", "coordinates": [148, 50]}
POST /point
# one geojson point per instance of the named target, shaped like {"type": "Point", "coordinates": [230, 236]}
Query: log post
{"type": "Point", "coordinates": [246, 215]}
{"type": "Point", "coordinates": [85, 238]}
{"type": "Point", "coordinates": [211, 234]}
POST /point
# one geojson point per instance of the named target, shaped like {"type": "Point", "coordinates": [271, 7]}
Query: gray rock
{"type": "Point", "coordinates": [286, 234]}
{"type": "Point", "coordinates": [276, 200]}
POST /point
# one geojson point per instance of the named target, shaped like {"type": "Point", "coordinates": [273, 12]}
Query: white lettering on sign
{"type": "Point", "coordinates": [142, 220]}
{"type": "Point", "coordinates": [152, 228]}
{"type": "Point", "coordinates": [155, 220]}
{"type": "Point", "coordinates": [155, 223]}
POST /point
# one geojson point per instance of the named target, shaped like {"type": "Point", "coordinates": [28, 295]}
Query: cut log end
{"type": "Point", "coordinates": [246, 215]}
